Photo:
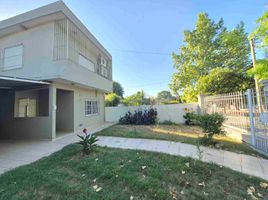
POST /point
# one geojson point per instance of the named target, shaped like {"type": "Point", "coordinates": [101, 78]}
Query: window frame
{"type": "Point", "coordinates": [14, 67]}
{"type": "Point", "coordinates": [84, 57]}
{"type": "Point", "coordinates": [87, 112]}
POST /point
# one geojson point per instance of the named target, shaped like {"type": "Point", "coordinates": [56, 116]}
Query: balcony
{"type": "Point", "coordinates": [73, 45]}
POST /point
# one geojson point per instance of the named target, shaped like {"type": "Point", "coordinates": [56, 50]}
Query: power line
{"type": "Point", "coordinates": [145, 85]}
{"type": "Point", "coordinates": [141, 52]}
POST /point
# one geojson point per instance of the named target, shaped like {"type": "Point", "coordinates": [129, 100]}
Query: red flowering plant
{"type": "Point", "coordinates": [88, 141]}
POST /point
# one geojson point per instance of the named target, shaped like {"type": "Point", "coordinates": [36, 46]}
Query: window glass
{"type": "Point", "coordinates": [91, 107]}
{"type": "Point", "coordinates": [13, 57]}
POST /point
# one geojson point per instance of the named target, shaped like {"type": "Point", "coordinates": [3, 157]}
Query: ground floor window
{"type": "Point", "coordinates": [91, 107]}
{"type": "Point", "coordinates": [27, 108]}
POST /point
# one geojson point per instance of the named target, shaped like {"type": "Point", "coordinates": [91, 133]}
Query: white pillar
{"type": "Point", "coordinates": [251, 117]}
{"type": "Point", "coordinates": [52, 109]}
{"type": "Point", "coordinates": [201, 102]}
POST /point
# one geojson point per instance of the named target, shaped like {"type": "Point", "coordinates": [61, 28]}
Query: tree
{"type": "Point", "coordinates": [112, 99]}
{"type": "Point", "coordinates": [136, 99]}
{"type": "Point", "coordinates": [165, 96]}
{"type": "Point", "coordinates": [222, 80]}
{"type": "Point", "coordinates": [261, 34]}
{"type": "Point", "coordinates": [118, 89]}
{"type": "Point", "coordinates": [210, 45]}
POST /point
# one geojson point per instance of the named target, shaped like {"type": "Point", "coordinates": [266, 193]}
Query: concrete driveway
{"type": "Point", "coordinates": [17, 153]}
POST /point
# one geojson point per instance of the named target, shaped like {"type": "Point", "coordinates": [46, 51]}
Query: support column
{"type": "Point", "coordinates": [201, 103]}
{"type": "Point", "coordinates": [251, 117]}
{"type": "Point", "coordinates": [52, 109]}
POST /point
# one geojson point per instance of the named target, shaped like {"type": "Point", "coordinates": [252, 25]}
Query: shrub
{"type": "Point", "coordinates": [211, 125]}
{"type": "Point", "coordinates": [190, 117]}
{"type": "Point", "coordinates": [88, 142]}
{"type": "Point", "coordinates": [167, 122]}
{"type": "Point", "coordinates": [145, 117]}
{"type": "Point", "coordinates": [112, 99]}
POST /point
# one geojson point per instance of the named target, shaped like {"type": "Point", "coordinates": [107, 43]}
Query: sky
{"type": "Point", "coordinates": [141, 35]}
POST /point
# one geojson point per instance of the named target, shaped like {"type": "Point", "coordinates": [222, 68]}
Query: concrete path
{"type": "Point", "coordinates": [239, 162]}
{"type": "Point", "coordinates": [17, 153]}
{"type": "Point", "coordinates": [14, 153]}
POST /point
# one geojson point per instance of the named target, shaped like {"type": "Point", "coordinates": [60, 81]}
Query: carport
{"type": "Point", "coordinates": [25, 109]}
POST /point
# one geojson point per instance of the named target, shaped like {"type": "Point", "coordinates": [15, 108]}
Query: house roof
{"type": "Point", "coordinates": [7, 82]}
{"type": "Point", "coordinates": [48, 13]}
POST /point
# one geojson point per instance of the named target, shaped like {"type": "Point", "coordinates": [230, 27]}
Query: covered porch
{"type": "Point", "coordinates": [26, 109]}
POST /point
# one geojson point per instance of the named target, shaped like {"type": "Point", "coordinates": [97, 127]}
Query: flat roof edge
{"type": "Point", "coordinates": [52, 8]}
{"type": "Point", "coordinates": [8, 78]}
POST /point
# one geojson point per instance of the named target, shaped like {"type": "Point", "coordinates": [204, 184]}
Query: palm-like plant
{"type": "Point", "coordinates": [88, 141]}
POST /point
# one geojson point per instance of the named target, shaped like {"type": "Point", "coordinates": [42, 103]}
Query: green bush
{"type": "Point", "coordinates": [112, 99]}
{"type": "Point", "coordinates": [167, 122]}
{"type": "Point", "coordinates": [211, 125]}
{"type": "Point", "coordinates": [191, 118]}
{"type": "Point", "coordinates": [140, 117]}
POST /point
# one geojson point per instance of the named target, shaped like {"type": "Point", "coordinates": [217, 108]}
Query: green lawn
{"type": "Point", "coordinates": [179, 133]}
{"type": "Point", "coordinates": [124, 173]}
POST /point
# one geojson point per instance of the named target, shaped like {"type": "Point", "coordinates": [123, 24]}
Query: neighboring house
{"type": "Point", "coordinates": [53, 75]}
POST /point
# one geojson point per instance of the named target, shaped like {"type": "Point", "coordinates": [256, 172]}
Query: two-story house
{"type": "Point", "coordinates": [53, 75]}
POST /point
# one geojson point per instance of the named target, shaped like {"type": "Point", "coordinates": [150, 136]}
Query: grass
{"type": "Point", "coordinates": [69, 175]}
{"type": "Point", "coordinates": [178, 133]}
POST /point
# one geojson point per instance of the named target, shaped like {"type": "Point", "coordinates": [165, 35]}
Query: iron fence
{"type": "Point", "coordinates": [243, 110]}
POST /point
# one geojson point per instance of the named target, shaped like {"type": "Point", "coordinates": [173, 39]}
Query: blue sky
{"type": "Point", "coordinates": [142, 34]}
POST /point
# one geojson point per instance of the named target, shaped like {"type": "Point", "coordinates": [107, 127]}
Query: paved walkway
{"type": "Point", "coordinates": [14, 153]}
{"type": "Point", "coordinates": [17, 153]}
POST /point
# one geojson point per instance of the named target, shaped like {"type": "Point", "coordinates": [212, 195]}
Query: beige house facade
{"type": "Point", "coordinates": [53, 75]}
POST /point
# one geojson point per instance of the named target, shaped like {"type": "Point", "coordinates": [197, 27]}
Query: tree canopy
{"type": "Point", "coordinates": [222, 80]}
{"type": "Point", "coordinates": [112, 99]}
{"type": "Point", "coordinates": [136, 99]}
{"type": "Point", "coordinates": [210, 45]}
{"type": "Point", "coordinates": [165, 95]}
{"type": "Point", "coordinates": [118, 89]}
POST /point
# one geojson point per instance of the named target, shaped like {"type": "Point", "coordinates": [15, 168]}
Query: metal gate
{"type": "Point", "coordinates": [243, 110]}
{"type": "Point", "coordinates": [258, 116]}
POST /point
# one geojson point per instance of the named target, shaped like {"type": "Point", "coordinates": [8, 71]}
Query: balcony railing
{"type": "Point", "coordinates": [70, 43]}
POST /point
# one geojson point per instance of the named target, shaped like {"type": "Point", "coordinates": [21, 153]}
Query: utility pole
{"type": "Point", "coordinates": [253, 55]}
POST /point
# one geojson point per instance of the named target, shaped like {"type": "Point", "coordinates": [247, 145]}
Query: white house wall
{"type": "Point", "coordinates": [37, 53]}
{"type": "Point", "coordinates": [80, 95]}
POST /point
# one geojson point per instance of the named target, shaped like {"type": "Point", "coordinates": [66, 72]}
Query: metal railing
{"type": "Point", "coordinates": [233, 106]}
{"type": "Point", "coordinates": [242, 110]}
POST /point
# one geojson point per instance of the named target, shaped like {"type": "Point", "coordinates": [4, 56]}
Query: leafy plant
{"type": "Point", "coordinates": [145, 117]}
{"type": "Point", "coordinates": [190, 117]}
{"type": "Point", "coordinates": [211, 125]}
{"type": "Point", "coordinates": [88, 142]}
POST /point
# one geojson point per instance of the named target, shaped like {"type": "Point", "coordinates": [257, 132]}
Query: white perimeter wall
{"type": "Point", "coordinates": [172, 112]}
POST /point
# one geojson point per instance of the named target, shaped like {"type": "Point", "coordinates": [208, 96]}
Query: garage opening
{"type": "Point", "coordinates": [24, 109]}
{"type": "Point", "coordinates": [65, 112]}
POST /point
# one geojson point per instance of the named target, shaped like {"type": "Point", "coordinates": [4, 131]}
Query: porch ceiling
{"type": "Point", "coordinates": [11, 82]}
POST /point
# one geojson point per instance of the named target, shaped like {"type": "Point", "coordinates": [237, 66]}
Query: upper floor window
{"type": "Point", "coordinates": [104, 69]}
{"type": "Point", "coordinates": [83, 61]}
{"type": "Point", "coordinates": [13, 57]}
